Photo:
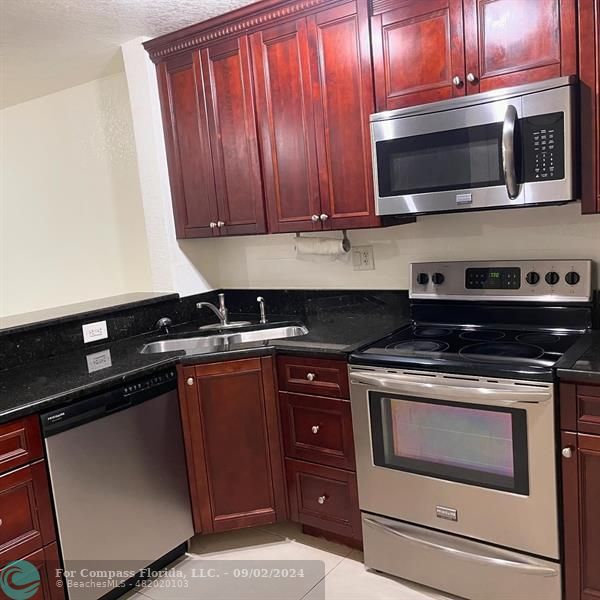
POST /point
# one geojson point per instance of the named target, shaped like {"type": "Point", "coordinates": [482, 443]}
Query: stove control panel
{"type": "Point", "coordinates": [520, 280]}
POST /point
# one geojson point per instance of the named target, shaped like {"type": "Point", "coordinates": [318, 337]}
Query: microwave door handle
{"type": "Point", "coordinates": [479, 395]}
{"type": "Point", "coordinates": [508, 151]}
{"type": "Point", "coordinates": [463, 553]}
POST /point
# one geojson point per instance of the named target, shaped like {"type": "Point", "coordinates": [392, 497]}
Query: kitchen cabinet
{"type": "Point", "coordinates": [27, 529]}
{"type": "Point", "coordinates": [314, 97]}
{"type": "Point", "coordinates": [589, 96]}
{"type": "Point", "coordinates": [233, 444]}
{"type": "Point", "coordinates": [211, 142]}
{"type": "Point", "coordinates": [580, 412]}
{"type": "Point", "coordinates": [428, 50]}
{"type": "Point", "coordinates": [319, 446]}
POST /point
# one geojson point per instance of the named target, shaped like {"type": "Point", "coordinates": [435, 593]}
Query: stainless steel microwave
{"type": "Point", "coordinates": [499, 149]}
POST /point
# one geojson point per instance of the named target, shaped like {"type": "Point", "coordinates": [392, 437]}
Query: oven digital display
{"type": "Point", "coordinates": [503, 278]}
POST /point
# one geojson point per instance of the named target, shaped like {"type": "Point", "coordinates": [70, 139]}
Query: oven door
{"type": "Point", "coordinates": [467, 455]}
{"type": "Point", "coordinates": [505, 152]}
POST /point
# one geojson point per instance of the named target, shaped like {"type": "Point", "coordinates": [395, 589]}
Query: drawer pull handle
{"type": "Point", "coordinates": [315, 429]}
{"type": "Point", "coordinates": [311, 376]}
{"type": "Point", "coordinates": [190, 381]}
{"type": "Point", "coordinates": [321, 499]}
{"type": "Point", "coordinates": [1, 521]}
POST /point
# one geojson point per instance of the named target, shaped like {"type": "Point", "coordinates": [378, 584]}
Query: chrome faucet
{"type": "Point", "coordinates": [263, 315]}
{"type": "Point", "coordinates": [221, 312]}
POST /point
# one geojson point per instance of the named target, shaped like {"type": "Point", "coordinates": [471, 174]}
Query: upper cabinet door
{"type": "Point", "coordinates": [286, 123]}
{"type": "Point", "coordinates": [343, 95]}
{"type": "Point", "coordinates": [188, 147]}
{"type": "Point", "coordinates": [510, 42]}
{"type": "Point", "coordinates": [227, 78]}
{"type": "Point", "coordinates": [418, 51]}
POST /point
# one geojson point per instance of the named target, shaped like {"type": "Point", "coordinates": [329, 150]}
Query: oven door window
{"type": "Point", "coordinates": [474, 444]}
{"type": "Point", "coordinates": [457, 159]}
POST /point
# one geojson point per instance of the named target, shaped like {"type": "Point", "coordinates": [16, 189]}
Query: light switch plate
{"type": "Point", "coordinates": [362, 258]}
{"type": "Point", "coordinates": [92, 332]}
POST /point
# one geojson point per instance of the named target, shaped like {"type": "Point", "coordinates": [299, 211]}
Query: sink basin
{"type": "Point", "coordinates": [221, 342]}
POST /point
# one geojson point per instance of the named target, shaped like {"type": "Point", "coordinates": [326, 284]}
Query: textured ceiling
{"type": "Point", "coordinates": [49, 45]}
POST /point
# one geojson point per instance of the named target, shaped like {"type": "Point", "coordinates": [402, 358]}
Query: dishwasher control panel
{"type": "Point", "coordinates": [106, 403]}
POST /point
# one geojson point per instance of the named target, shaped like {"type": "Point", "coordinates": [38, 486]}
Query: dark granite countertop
{"type": "Point", "coordinates": [586, 368]}
{"type": "Point", "coordinates": [46, 384]}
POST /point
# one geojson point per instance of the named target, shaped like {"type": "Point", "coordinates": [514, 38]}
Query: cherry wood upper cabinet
{"type": "Point", "coordinates": [233, 444]}
{"type": "Point", "coordinates": [188, 147]}
{"type": "Point", "coordinates": [314, 97]}
{"type": "Point", "coordinates": [510, 42]}
{"type": "Point", "coordinates": [343, 93]}
{"type": "Point", "coordinates": [286, 121]}
{"type": "Point", "coordinates": [418, 50]}
{"type": "Point", "coordinates": [227, 83]}
{"type": "Point", "coordinates": [589, 93]}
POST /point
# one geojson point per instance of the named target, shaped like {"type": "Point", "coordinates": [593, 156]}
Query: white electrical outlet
{"type": "Point", "coordinates": [362, 258]}
{"type": "Point", "coordinates": [92, 332]}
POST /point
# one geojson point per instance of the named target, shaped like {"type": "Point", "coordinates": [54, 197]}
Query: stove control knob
{"type": "Point", "coordinates": [437, 278]}
{"type": "Point", "coordinates": [532, 278]}
{"type": "Point", "coordinates": [552, 277]}
{"type": "Point", "coordinates": [572, 278]}
{"type": "Point", "coordinates": [422, 278]}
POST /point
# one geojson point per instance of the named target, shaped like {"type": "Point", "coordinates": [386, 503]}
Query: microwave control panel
{"type": "Point", "coordinates": [543, 146]}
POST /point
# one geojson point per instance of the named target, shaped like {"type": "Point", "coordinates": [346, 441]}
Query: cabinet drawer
{"type": "Point", "coordinates": [317, 429]}
{"type": "Point", "coordinates": [20, 443]}
{"type": "Point", "coordinates": [26, 522]}
{"type": "Point", "coordinates": [47, 562]}
{"type": "Point", "coordinates": [323, 497]}
{"type": "Point", "coordinates": [588, 409]}
{"type": "Point", "coordinates": [313, 376]}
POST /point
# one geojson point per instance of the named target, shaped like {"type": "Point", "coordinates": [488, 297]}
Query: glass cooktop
{"type": "Point", "coordinates": [475, 348]}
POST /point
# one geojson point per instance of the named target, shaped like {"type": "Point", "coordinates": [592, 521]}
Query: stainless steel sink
{"type": "Point", "coordinates": [221, 342]}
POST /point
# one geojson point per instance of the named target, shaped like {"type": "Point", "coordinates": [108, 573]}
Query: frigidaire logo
{"type": "Point", "coordinates": [20, 580]}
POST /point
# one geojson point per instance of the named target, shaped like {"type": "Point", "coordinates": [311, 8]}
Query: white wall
{"type": "Point", "coordinates": [270, 262]}
{"type": "Point", "coordinates": [70, 205]}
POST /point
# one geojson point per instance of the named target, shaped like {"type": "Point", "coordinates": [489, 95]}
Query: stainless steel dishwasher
{"type": "Point", "coordinates": [119, 482]}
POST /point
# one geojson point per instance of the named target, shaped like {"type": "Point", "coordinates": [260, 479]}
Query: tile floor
{"type": "Point", "coordinates": [334, 572]}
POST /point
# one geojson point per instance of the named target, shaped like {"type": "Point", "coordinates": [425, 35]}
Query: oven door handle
{"type": "Point", "coordinates": [495, 561]}
{"type": "Point", "coordinates": [451, 392]}
{"type": "Point", "coordinates": [508, 151]}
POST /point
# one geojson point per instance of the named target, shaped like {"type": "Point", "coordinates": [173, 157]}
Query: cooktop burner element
{"type": "Point", "coordinates": [431, 332]}
{"type": "Point", "coordinates": [482, 335]}
{"type": "Point", "coordinates": [490, 351]}
{"type": "Point", "coordinates": [415, 346]}
{"type": "Point", "coordinates": [538, 338]}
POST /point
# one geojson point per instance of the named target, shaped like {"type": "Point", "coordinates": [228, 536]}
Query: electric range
{"type": "Point", "coordinates": [454, 421]}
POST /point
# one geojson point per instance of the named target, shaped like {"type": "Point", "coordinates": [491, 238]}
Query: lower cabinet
{"type": "Point", "coordinates": [324, 498]}
{"type": "Point", "coordinates": [580, 413]}
{"type": "Point", "coordinates": [233, 444]}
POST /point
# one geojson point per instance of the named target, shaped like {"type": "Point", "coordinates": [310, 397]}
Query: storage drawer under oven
{"type": "Point", "coordinates": [456, 565]}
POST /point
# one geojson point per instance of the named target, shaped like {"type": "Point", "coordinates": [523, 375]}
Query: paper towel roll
{"type": "Point", "coordinates": [321, 247]}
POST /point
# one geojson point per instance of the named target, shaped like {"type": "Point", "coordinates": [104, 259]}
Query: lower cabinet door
{"type": "Point", "coordinates": [233, 445]}
{"type": "Point", "coordinates": [44, 581]}
{"type": "Point", "coordinates": [324, 498]}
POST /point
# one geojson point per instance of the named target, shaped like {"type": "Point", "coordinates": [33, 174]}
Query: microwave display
{"type": "Point", "coordinates": [504, 278]}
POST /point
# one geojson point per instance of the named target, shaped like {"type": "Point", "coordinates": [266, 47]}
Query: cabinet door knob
{"type": "Point", "coordinates": [220, 223]}
{"type": "Point", "coordinates": [311, 376]}
{"type": "Point", "coordinates": [314, 218]}
{"type": "Point", "coordinates": [321, 499]}
{"type": "Point", "coordinates": [567, 452]}
{"type": "Point", "coordinates": [190, 381]}
{"type": "Point", "coordinates": [324, 217]}
{"type": "Point", "coordinates": [315, 429]}
{"type": "Point", "coordinates": [457, 81]}
{"type": "Point", "coordinates": [212, 224]}
{"type": "Point", "coordinates": [472, 78]}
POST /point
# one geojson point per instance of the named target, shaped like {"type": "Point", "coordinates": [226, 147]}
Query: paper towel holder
{"type": "Point", "coordinates": [346, 244]}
